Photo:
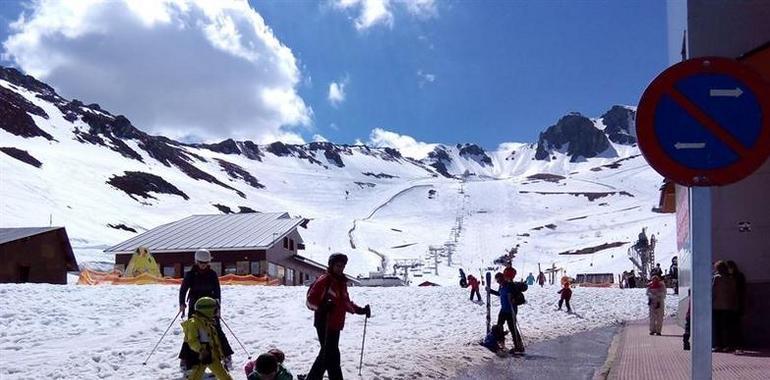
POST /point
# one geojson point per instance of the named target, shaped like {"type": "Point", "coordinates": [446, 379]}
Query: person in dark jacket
{"type": "Point", "coordinates": [474, 284]}
{"type": "Point", "coordinates": [328, 298]}
{"type": "Point", "coordinates": [201, 281]}
{"type": "Point", "coordinates": [541, 279]}
{"type": "Point", "coordinates": [566, 295]}
{"type": "Point", "coordinates": [740, 289]}
{"type": "Point", "coordinates": [508, 293]}
{"type": "Point", "coordinates": [724, 305]}
{"type": "Point", "coordinates": [673, 274]}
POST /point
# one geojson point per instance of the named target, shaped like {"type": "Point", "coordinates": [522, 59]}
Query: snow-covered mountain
{"type": "Point", "coordinates": [78, 165]}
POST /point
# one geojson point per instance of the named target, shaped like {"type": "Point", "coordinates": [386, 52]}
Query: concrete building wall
{"type": "Point", "coordinates": [731, 28]}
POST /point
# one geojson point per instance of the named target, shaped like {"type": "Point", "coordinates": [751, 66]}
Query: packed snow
{"type": "Point", "coordinates": [98, 332]}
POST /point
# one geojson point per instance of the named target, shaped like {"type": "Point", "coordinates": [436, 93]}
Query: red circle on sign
{"type": "Point", "coordinates": [663, 84]}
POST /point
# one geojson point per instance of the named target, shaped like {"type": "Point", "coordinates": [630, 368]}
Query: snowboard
{"type": "Point", "coordinates": [489, 299]}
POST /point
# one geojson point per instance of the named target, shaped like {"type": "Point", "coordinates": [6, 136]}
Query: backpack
{"type": "Point", "coordinates": [518, 293]}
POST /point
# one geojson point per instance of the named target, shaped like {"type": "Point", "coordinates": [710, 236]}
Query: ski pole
{"type": "Point", "coordinates": [161, 337]}
{"type": "Point", "coordinates": [236, 338]}
{"type": "Point", "coordinates": [363, 341]}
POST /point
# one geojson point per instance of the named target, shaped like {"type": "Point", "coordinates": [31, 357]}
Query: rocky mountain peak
{"type": "Point", "coordinates": [620, 125]}
{"type": "Point", "coordinates": [574, 135]}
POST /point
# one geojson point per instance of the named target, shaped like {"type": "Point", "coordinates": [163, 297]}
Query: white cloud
{"type": "Point", "coordinates": [319, 138]}
{"type": "Point", "coordinates": [424, 78]}
{"type": "Point", "coordinates": [334, 127]}
{"type": "Point", "coordinates": [187, 67]}
{"type": "Point", "coordinates": [407, 145]}
{"type": "Point", "coordinates": [337, 92]}
{"type": "Point", "coordinates": [380, 12]}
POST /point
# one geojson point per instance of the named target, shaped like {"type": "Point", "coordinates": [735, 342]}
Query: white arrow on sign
{"type": "Point", "coordinates": [731, 92]}
{"type": "Point", "coordinates": [681, 145]}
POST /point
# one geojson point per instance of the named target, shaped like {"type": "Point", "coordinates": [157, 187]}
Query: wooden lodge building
{"type": "Point", "coordinates": [36, 254]}
{"type": "Point", "coordinates": [241, 244]}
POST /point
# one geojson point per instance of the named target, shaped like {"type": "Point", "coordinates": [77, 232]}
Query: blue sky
{"type": "Point", "coordinates": [460, 71]}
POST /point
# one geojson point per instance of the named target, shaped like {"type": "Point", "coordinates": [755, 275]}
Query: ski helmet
{"type": "Point", "coordinates": [203, 255]}
{"type": "Point", "coordinates": [206, 306]}
{"type": "Point", "coordinates": [337, 257]}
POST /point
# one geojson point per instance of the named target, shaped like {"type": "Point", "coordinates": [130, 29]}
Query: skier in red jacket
{"type": "Point", "coordinates": [328, 297]}
{"type": "Point", "coordinates": [474, 284]}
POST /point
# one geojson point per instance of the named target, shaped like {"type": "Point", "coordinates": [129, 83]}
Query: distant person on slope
{"type": "Point", "coordinates": [200, 335]}
{"type": "Point", "coordinates": [657, 271]}
{"type": "Point", "coordinates": [530, 279]}
{"type": "Point", "coordinates": [328, 297]}
{"type": "Point", "coordinates": [474, 284]}
{"type": "Point", "coordinates": [201, 281]}
{"type": "Point", "coordinates": [509, 293]}
{"type": "Point", "coordinates": [656, 300]}
{"type": "Point", "coordinates": [541, 279]}
{"type": "Point", "coordinates": [566, 295]}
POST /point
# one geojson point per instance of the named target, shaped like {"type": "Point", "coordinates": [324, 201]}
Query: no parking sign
{"type": "Point", "coordinates": [705, 122]}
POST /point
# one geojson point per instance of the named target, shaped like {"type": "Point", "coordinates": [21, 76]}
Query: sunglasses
{"type": "Point", "coordinates": [202, 262]}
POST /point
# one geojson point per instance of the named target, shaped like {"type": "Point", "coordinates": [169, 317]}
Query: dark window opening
{"type": "Point", "coordinates": [23, 273]}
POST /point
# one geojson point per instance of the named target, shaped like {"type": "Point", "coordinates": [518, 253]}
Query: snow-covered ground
{"type": "Point", "coordinates": [106, 332]}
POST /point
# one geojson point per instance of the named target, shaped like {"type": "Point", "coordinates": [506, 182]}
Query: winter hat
{"type": "Point", "coordinates": [337, 257]}
{"type": "Point", "coordinates": [278, 355]}
{"type": "Point", "coordinates": [206, 306]}
{"type": "Point", "coordinates": [266, 364]}
{"type": "Point", "coordinates": [203, 255]}
{"type": "Point", "coordinates": [509, 273]}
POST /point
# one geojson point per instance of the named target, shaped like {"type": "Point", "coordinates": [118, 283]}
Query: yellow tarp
{"type": "Point", "coordinates": [92, 277]}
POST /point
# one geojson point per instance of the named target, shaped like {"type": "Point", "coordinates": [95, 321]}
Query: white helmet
{"type": "Point", "coordinates": [203, 255]}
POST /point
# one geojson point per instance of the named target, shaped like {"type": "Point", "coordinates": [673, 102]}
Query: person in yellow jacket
{"type": "Point", "coordinates": [200, 334]}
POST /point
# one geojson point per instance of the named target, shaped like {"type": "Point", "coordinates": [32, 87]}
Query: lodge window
{"type": "Point", "coordinates": [290, 276]}
{"type": "Point", "coordinates": [272, 270]}
{"type": "Point", "coordinates": [216, 266]}
{"type": "Point", "coordinates": [257, 268]}
{"type": "Point", "coordinates": [169, 271]}
{"type": "Point", "coordinates": [230, 268]}
{"type": "Point", "coordinates": [242, 268]}
{"type": "Point", "coordinates": [187, 268]}
{"type": "Point", "coordinates": [291, 244]}
{"type": "Point", "coordinates": [286, 242]}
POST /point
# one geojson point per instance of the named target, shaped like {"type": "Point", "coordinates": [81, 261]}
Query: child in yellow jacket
{"type": "Point", "coordinates": [201, 335]}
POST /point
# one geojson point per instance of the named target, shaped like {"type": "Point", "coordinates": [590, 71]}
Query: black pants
{"type": "Point", "coordinates": [686, 335]}
{"type": "Point", "coordinates": [564, 300]}
{"type": "Point", "coordinates": [328, 358]}
{"type": "Point", "coordinates": [724, 328]}
{"type": "Point", "coordinates": [518, 344]}
{"type": "Point", "coordinates": [476, 292]}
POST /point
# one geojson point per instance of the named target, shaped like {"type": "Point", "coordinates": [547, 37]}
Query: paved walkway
{"type": "Point", "coordinates": [568, 357]}
{"type": "Point", "coordinates": [641, 356]}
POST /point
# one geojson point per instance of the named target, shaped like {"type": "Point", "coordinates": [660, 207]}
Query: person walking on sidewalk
{"type": "Point", "coordinates": [328, 298]}
{"type": "Point", "coordinates": [656, 297]}
{"type": "Point", "coordinates": [474, 284]}
{"type": "Point", "coordinates": [740, 292]}
{"type": "Point", "coordinates": [566, 295]}
{"type": "Point", "coordinates": [508, 309]}
{"type": "Point", "coordinates": [724, 307]}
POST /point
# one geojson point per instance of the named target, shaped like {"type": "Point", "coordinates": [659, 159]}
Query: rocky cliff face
{"type": "Point", "coordinates": [574, 135]}
{"type": "Point", "coordinates": [620, 125]}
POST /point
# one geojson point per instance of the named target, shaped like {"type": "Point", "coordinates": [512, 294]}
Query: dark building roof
{"type": "Point", "coordinates": [219, 232]}
{"type": "Point", "coordinates": [8, 235]}
{"type": "Point", "coordinates": [12, 234]}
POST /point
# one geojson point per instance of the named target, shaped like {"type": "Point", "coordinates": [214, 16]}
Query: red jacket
{"type": "Point", "coordinates": [473, 282]}
{"type": "Point", "coordinates": [566, 293]}
{"type": "Point", "coordinates": [328, 296]}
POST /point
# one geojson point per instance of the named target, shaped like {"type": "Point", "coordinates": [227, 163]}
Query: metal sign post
{"type": "Point", "coordinates": [700, 314]}
{"type": "Point", "coordinates": [704, 122]}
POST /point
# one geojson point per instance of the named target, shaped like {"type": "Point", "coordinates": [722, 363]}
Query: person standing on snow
{"type": "Point", "coordinates": [328, 297]}
{"type": "Point", "coordinates": [541, 279]}
{"type": "Point", "coordinates": [530, 279]}
{"type": "Point", "coordinates": [656, 300]}
{"type": "Point", "coordinates": [200, 335]}
{"type": "Point", "coordinates": [509, 309]}
{"type": "Point", "coordinates": [657, 271]}
{"type": "Point", "coordinates": [201, 281]}
{"type": "Point", "coordinates": [474, 284]}
{"type": "Point", "coordinates": [566, 295]}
